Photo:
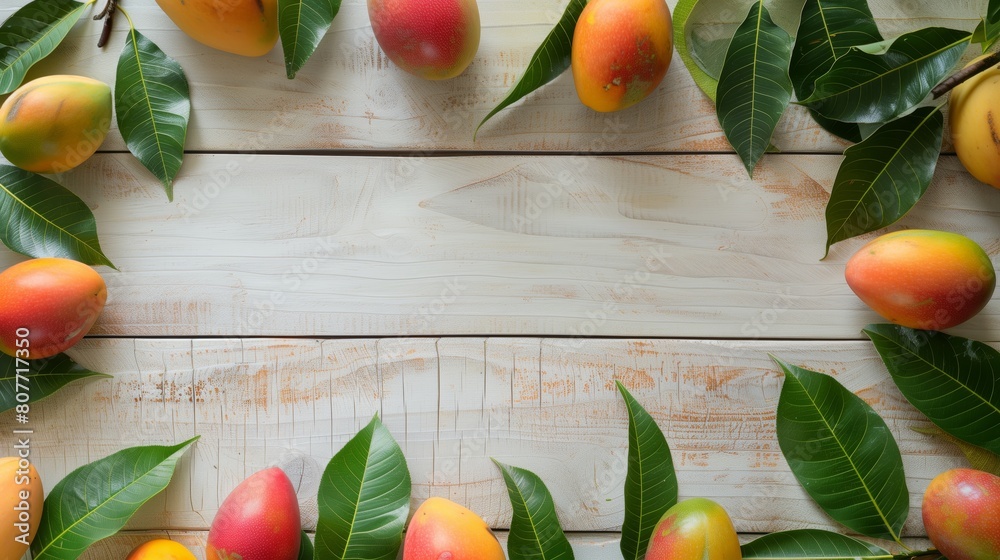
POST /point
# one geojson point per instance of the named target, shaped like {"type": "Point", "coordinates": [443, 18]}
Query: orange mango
{"type": "Point", "coordinates": [961, 512]}
{"type": "Point", "coordinates": [53, 124]}
{"type": "Point", "coordinates": [21, 501]}
{"type": "Point", "coordinates": [694, 529]}
{"type": "Point", "coordinates": [621, 52]}
{"type": "Point", "coordinates": [922, 279]}
{"type": "Point", "coordinates": [47, 306]}
{"type": "Point", "coordinates": [432, 39]}
{"type": "Point", "coordinates": [243, 27]}
{"type": "Point", "coordinates": [160, 549]}
{"type": "Point", "coordinates": [259, 520]}
{"type": "Point", "coordinates": [441, 529]}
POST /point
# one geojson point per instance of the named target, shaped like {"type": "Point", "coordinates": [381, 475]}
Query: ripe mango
{"type": "Point", "coordinates": [441, 529]}
{"type": "Point", "coordinates": [160, 549]}
{"type": "Point", "coordinates": [922, 279]}
{"type": "Point", "coordinates": [961, 512]}
{"type": "Point", "coordinates": [21, 500]}
{"type": "Point", "coordinates": [243, 27]}
{"type": "Point", "coordinates": [259, 520]}
{"type": "Point", "coordinates": [974, 120]}
{"type": "Point", "coordinates": [432, 39]}
{"type": "Point", "coordinates": [47, 306]}
{"type": "Point", "coordinates": [695, 529]}
{"type": "Point", "coordinates": [53, 124]}
{"type": "Point", "coordinates": [621, 51]}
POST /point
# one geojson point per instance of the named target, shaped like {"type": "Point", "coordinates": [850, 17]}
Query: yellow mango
{"type": "Point", "coordinates": [974, 119]}
{"type": "Point", "coordinates": [21, 500]}
{"type": "Point", "coordinates": [53, 124]}
{"type": "Point", "coordinates": [243, 27]}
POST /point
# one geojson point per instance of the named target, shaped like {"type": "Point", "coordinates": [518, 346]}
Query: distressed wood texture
{"type": "Point", "coordinates": [639, 246]}
{"type": "Point", "coordinates": [549, 405]}
{"type": "Point", "coordinates": [349, 96]}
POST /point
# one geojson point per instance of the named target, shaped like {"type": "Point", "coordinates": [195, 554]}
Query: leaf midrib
{"type": "Point", "coordinates": [361, 487]}
{"type": "Point", "coordinates": [527, 512]}
{"type": "Point", "coordinates": [638, 453]}
{"type": "Point", "coordinates": [149, 103]}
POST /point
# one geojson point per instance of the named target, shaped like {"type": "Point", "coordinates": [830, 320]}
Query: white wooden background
{"type": "Point", "coordinates": [340, 246]}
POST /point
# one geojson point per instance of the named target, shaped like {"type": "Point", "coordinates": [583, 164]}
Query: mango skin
{"type": "Point", "coordinates": [922, 279]}
{"type": "Point", "coordinates": [56, 300]}
{"type": "Point", "coordinates": [621, 52]}
{"type": "Point", "coordinates": [974, 120]}
{"type": "Point", "coordinates": [694, 529]}
{"type": "Point", "coordinates": [441, 529]}
{"type": "Point", "coordinates": [15, 478]}
{"type": "Point", "coordinates": [54, 123]}
{"type": "Point", "coordinates": [243, 27]}
{"type": "Point", "coordinates": [160, 549]}
{"type": "Point", "coordinates": [259, 520]}
{"type": "Point", "coordinates": [961, 512]}
{"type": "Point", "coordinates": [432, 39]}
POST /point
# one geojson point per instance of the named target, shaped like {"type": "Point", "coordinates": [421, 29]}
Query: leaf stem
{"type": "Point", "coordinates": [929, 554]}
{"type": "Point", "coordinates": [108, 15]}
{"type": "Point", "coordinates": [964, 74]}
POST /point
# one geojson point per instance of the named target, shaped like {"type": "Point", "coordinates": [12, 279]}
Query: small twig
{"type": "Point", "coordinates": [108, 13]}
{"type": "Point", "coordinates": [965, 73]}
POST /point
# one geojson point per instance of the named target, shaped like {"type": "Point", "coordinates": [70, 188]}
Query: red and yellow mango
{"type": "Point", "coordinates": [160, 549]}
{"type": "Point", "coordinates": [243, 27]}
{"type": "Point", "coordinates": [961, 512]}
{"type": "Point", "coordinates": [21, 501]}
{"type": "Point", "coordinates": [694, 529]}
{"type": "Point", "coordinates": [432, 39]}
{"type": "Point", "coordinates": [258, 520]}
{"type": "Point", "coordinates": [441, 529]}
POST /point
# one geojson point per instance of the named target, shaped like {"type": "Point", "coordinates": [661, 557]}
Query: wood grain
{"type": "Point", "coordinates": [349, 96]}
{"type": "Point", "coordinates": [549, 405]}
{"type": "Point", "coordinates": [638, 246]}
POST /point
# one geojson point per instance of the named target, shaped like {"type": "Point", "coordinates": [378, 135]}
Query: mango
{"type": "Point", "coordinates": [974, 120]}
{"type": "Point", "coordinates": [243, 27]}
{"type": "Point", "coordinates": [47, 306]}
{"type": "Point", "coordinates": [160, 549]}
{"type": "Point", "coordinates": [443, 530]}
{"type": "Point", "coordinates": [53, 124]}
{"type": "Point", "coordinates": [961, 512]}
{"type": "Point", "coordinates": [432, 39]}
{"type": "Point", "coordinates": [21, 500]}
{"type": "Point", "coordinates": [922, 279]}
{"type": "Point", "coordinates": [694, 529]}
{"type": "Point", "coordinates": [621, 52]}
{"type": "Point", "coordinates": [259, 520]}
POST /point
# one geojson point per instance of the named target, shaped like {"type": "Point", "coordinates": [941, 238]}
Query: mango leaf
{"type": "Point", "coordinates": [31, 34]}
{"type": "Point", "coordinates": [872, 88]}
{"type": "Point", "coordinates": [153, 105]}
{"type": "Point", "coordinates": [551, 59]}
{"type": "Point", "coordinates": [842, 453]}
{"type": "Point", "coordinates": [883, 177]}
{"type": "Point", "coordinates": [535, 532]}
{"type": "Point", "coordinates": [988, 30]}
{"type": "Point", "coordinates": [650, 483]}
{"type": "Point", "coordinates": [827, 29]}
{"type": "Point", "coordinates": [44, 219]}
{"type": "Point", "coordinates": [754, 87]}
{"type": "Point", "coordinates": [37, 378]}
{"type": "Point", "coordinates": [811, 544]}
{"type": "Point", "coordinates": [364, 498]}
{"type": "Point", "coordinates": [96, 500]}
{"type": "Point", "coordinates": [702, 79]}
{"type": "Point", "coordinates": [302, 25]}
{"type": "Point", "coordinates": [306, 550]}
{"type": "Point", "coordinates": [951, 379]}
{"type": "Point", "coordinates": [979, 458]}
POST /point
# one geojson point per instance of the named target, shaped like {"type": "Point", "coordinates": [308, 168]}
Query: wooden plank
{"type": "Point", "coordinates": [349, 96]}
{"type": "Point", "coordinates": [645, 246]}
{"type": "Point", "coordinates": [548, 405]}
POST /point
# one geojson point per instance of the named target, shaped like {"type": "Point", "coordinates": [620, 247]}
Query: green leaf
{"type": "Point", "coordinates": [883, 177]}
{"type": "Point", "coordinates": [754, 87]}
{"type": "Point", "coordinates": [989, 28]}
{"type": "Point", "coordinates": [96, 500]}
{"type": "Point", "coordinates": [364, 498]}
{"type": "Point", "coordinates": [44, 219]}
{"type": "Point", "coordinates": [650, 483]}
{"type": "Point", "coordinates": [31, 34]}
{"type": "Point", "coordinates": [827, 29]}
{"type": "Point", "coordinates": [811, 544]}
{"type": "Point", "coordinates": [873, 88]}
{"type": "Point", "coordinates": [535, 532]}
{"type": "Point", "coordinates": [153, 105]}
{"type": "Point", "coordinates": [305, 547]}
{"type": "Point", "coordinates": [37, 378]}
{"type": "Point", "coordinates": [551, 59]}
{"type": "Point", "coordinates": [842, 453]}
{"type": "Point", "coordinates": [979, 458]}
{"type": "Point", "coordinates": [952, 380]}
{"type": "Point", "coordinates": [302, 24]}
{"type": "Point", "coordinates": [682, 12]}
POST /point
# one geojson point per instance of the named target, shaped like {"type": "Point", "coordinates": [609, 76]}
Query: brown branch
{"type": "Point", "coordinates": [108, 14]}
{"type": "Point", "coordinates": [965, 73]}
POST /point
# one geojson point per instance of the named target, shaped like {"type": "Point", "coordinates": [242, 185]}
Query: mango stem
{"type": "Point", "coordinates": [108, 15]}
{"type": "Point", "coordinates": [965, 73]}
